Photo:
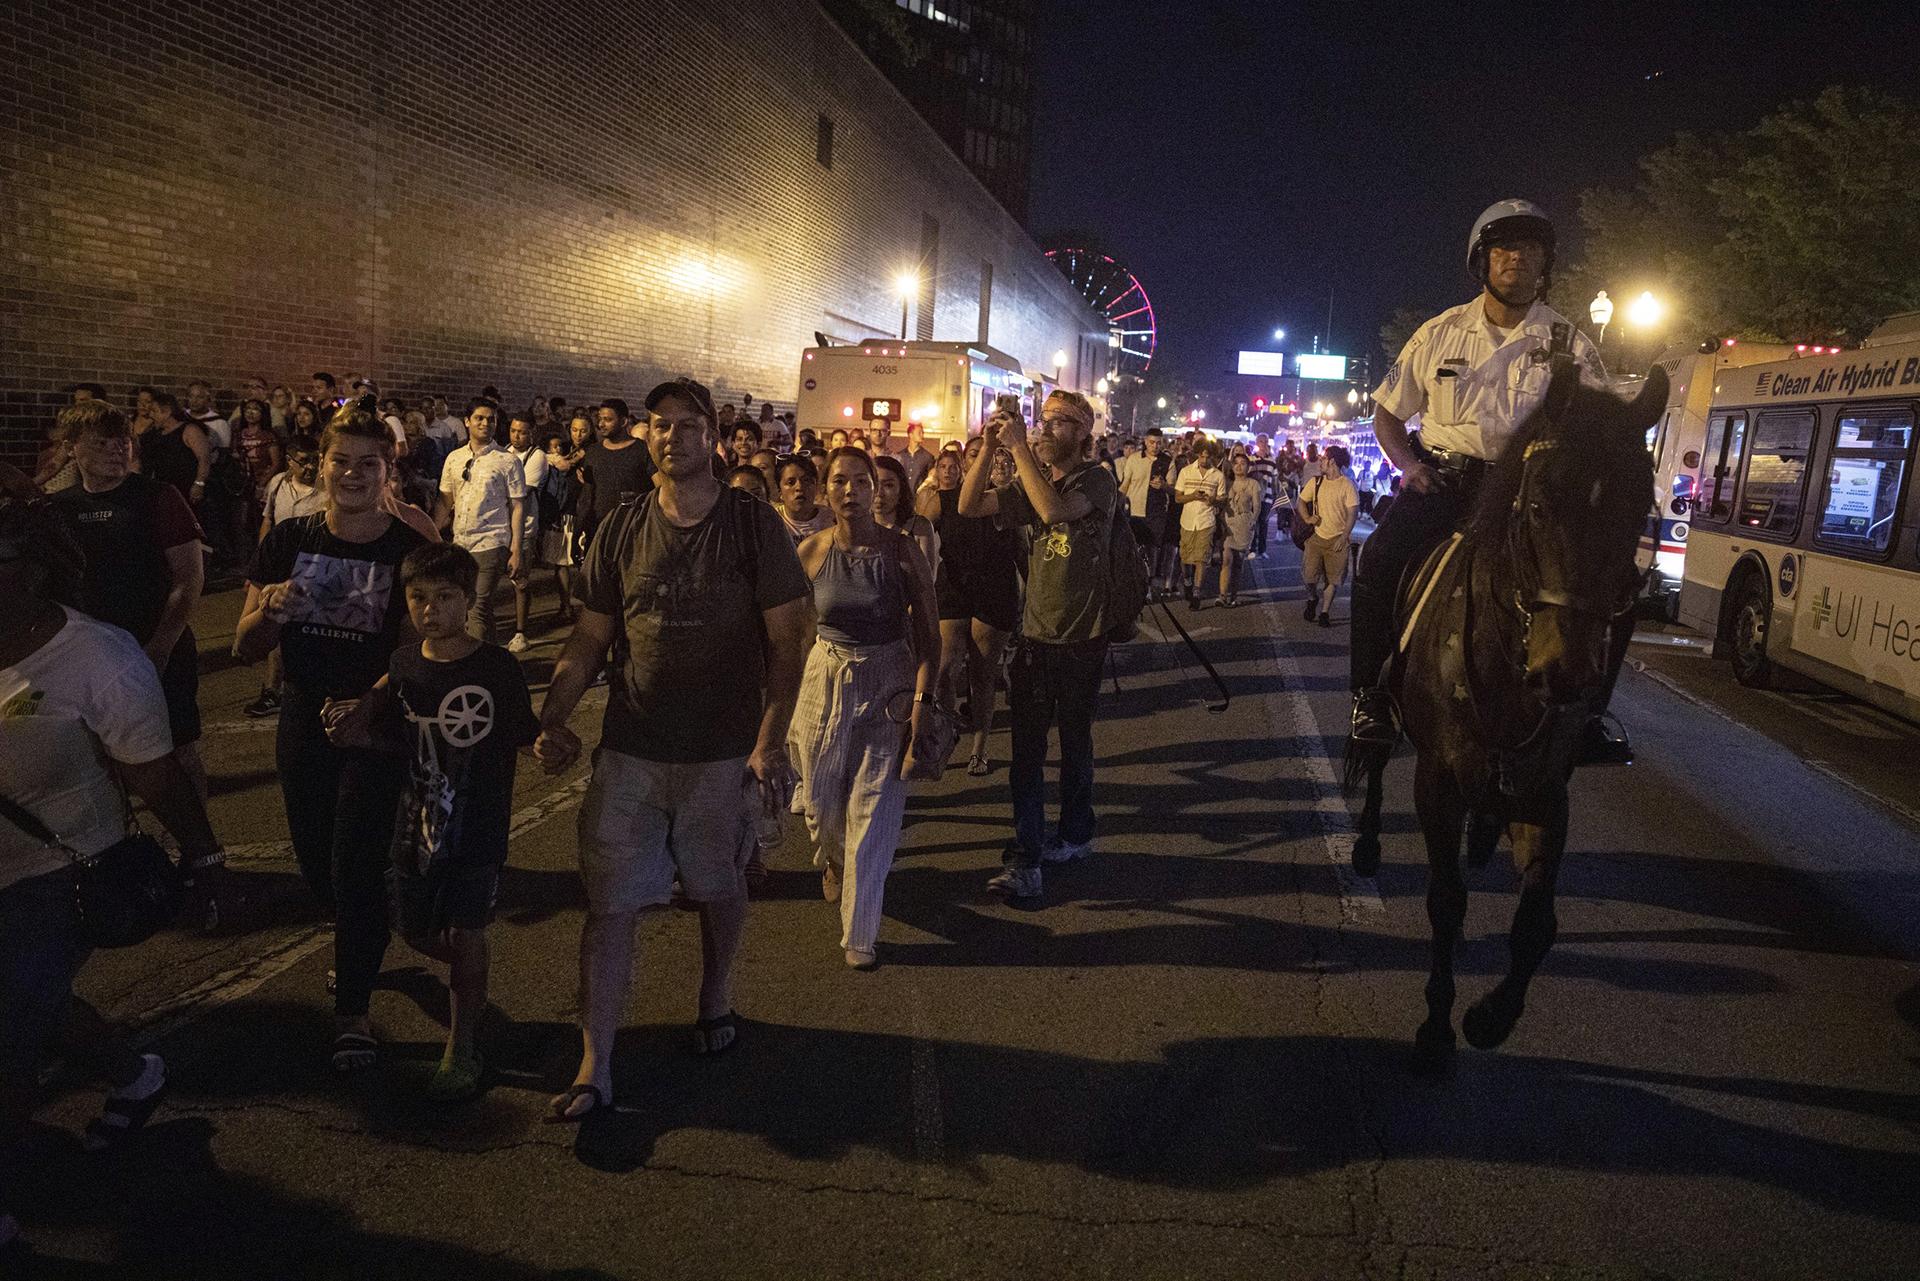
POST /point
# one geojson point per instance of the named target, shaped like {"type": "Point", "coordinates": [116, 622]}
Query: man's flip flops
{"type": "Point", "coordinates": [563, 1103]}
{"type": "Point", "coordinates": [716, 1036]}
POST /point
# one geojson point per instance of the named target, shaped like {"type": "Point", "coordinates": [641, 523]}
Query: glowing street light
{"type": "Point", "coordinates": [1059, 362]}
{"type": "Point", "coordinates": [1279, 335]}
{"type": "Point", "coordinates": [1600, 311]}
{"type": "Point", "coordinates": [1646, 310]}
{"type": "Point", "coordinates": [1101, 386]}
{"type": "Point", "coordinates": [906, 284]}
{"type": "Point", "coordinates": [1161, 403]}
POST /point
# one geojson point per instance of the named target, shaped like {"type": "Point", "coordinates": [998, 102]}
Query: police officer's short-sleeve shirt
{"type": "Point", "coordinates": [1495, 382]}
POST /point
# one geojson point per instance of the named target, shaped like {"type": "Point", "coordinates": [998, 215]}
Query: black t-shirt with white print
{"type": "Point", "coordinates": [348, 619]}
{"type": "Point", "coordinates": [463, 722]}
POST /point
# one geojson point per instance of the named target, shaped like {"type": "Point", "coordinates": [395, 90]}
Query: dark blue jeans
{"type": "Point", "coordinates": [1052, 685]}
{"type": "Point", "coordinates": [340, 814]}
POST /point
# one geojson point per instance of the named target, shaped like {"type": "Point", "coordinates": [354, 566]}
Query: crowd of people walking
{"type": "Point", "coordinates": [895, 587]}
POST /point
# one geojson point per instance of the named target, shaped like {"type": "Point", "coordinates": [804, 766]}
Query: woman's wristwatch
{"type": "Point", "coordinates": [205, 861]}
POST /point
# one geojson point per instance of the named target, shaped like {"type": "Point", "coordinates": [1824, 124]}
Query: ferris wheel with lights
{"type": "Point", "coordinates": [1117, 295]}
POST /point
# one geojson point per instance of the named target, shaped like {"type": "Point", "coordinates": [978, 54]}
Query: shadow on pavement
{"type": "Point", "coordinates": [165, 1208]}
{"type": "Point", "coordinates": [1223, 1113]}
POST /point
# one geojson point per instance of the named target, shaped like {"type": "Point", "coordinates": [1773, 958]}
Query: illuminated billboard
{"type": "Point", "coordinates": [1271, 364]}
{"type": "Point", "coordinates": [1331, 369]}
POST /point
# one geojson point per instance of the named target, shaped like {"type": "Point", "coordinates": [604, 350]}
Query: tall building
{"type": "Point", "coordinates": [966, 65]}
{"type": "Point", "coordinates": [585, 244]}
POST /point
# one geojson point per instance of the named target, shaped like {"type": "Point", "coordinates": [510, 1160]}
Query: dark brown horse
{"type": "Point", "coordinates": [1503, 662]}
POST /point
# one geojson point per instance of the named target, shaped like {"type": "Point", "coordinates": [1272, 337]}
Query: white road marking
{"type": "Point", "coordinates": [929, 1127]}
{"type": "Point", "coordinates": [246, 978]}
{"type": "Point", "coordinates": [1293, 721]}
{"type": "Point", "coordinates": [1906, 812]}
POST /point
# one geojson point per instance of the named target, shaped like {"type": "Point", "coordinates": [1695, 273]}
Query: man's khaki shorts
{"type": "Point", "coordinates": [1324, 558]}
{"type": "Point", "coordinates": [645, 822]}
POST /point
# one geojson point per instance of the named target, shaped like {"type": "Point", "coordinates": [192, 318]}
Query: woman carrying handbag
{"type": "Point", "coordinates": [76, 695]}
{"type": "Point", "coordinates": [878, 644]}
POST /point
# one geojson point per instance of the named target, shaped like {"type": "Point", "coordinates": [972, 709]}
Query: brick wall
{"type": "Point", "coordinates": [572, 198]}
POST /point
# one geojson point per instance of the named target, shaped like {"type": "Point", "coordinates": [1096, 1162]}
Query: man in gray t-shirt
{"type": "Point", "coordinates": [1068, 503]}
{"type": "Point", "coordinates": [678, 583]}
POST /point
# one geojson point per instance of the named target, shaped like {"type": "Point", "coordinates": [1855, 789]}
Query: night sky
{"type": "Point", "coordinates": [1246, 158]}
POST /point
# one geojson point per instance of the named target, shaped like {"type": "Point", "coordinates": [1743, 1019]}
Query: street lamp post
{"type": "Point", "coordinates": [906, 284]}
{"type": "Point", "coordinates": [1600, 311]}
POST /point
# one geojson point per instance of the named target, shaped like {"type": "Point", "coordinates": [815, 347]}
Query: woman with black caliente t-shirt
{"type": "Point", "coordinates": [326, 589]}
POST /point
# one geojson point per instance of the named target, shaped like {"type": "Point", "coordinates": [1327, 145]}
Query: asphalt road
{"type": "Point", "coordinates": [1190, 1061]}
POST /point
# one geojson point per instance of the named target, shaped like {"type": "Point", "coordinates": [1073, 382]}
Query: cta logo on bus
{"type": "Point", "coordinates": [1789, 575]}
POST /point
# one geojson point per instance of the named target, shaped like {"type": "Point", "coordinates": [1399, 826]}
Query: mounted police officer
{"type": "Point", "coordinates": [1470, 376]}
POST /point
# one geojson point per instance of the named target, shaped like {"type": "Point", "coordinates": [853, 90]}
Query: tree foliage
{"type": "Point", "coordinates": [1804, 228]}
{"type": "Point", "coordinates": [1399, 327]}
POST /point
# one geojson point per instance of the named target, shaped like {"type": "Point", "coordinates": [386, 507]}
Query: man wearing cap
{"type": "Point", "coordinates": [1467, 379]}
{"type": "Point", "coordinates": [697, 591]}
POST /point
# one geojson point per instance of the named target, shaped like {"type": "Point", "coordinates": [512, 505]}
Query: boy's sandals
{"type": "Point", "coordinates": [563, 1103]}
{"type": "Point", "coordinates": [124, 1111]}
{"type": "Point", "coordinates": [457, 1079]}
{"type": "Point", "coordinates": [354, 1052]}
{"type": "Point", "coordinates": [716, 1036]}
{"type": "Point", "coordinates": [978, 766]}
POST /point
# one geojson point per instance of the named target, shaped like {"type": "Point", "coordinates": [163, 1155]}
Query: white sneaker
{"type": "Point", "coordinates": [518, 645]}
{"type": "Point", "coordinates": [1059, 851]}
{"type": "Point", "coordinates": [1016, 882]}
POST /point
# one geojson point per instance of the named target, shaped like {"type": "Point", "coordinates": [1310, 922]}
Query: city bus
{"type": "Point", "coordinates": [1804, 553]}
{"type": "Point", "coordinates": [947, 387]}
{"type": "Point", "coordinates": [1675, 441]}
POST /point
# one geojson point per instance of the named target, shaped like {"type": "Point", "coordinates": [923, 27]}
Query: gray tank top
{"type": "Point", "coordinates": [860, 599]}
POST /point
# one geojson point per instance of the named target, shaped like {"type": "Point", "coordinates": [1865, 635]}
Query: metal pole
{"type": "Point", "coordinates": [903, 317]}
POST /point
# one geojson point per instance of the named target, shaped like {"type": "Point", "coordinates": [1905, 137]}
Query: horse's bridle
{"type": "Point", "coordinates": [1531, 592]}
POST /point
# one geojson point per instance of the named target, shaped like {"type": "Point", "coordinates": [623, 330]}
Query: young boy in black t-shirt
{"type": "Point", "coordinates": [461, 708]}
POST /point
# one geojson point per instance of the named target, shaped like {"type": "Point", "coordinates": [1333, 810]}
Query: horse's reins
{"type": "Point", "coordinates": [1530, 594]}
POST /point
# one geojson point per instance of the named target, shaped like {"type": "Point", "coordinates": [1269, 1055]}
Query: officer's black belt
{"type": "Point", "coordinates": [1454, 462]}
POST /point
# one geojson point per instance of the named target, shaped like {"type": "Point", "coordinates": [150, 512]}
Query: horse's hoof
{"type": "Point", "coordinates": [1490, 1020]}
{"type": "Point", "coordinates": [1366, 855]}
{"type": "Point", "coordinates": [1433, 1053]}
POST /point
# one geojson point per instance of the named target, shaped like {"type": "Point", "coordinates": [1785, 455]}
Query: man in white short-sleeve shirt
{"type": "Point", "coordinates": [484, 489]}
{"type": "Point", "coordinates": [1467, 379]}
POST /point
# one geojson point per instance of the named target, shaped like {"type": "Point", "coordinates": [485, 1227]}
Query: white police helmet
{"type": "Point", "coordinates": [1506, 219]}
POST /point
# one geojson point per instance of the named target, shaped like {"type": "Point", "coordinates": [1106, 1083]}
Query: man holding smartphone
{"type": "Point", "coordinates": [1471, 376]}
{"type": "Point", "coordinates": [1069, 502]}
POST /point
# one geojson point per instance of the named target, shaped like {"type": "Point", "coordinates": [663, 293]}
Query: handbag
{"type": "Point", "coordinates": [943, 729]}
{"type": "Point", "coordinates": [124, 894]}
{"type": "Point", "coordinates": [1302, 527]}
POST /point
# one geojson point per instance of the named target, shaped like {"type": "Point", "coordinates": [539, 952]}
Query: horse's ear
{"type": "Point", "coordinates": [1645, 408]}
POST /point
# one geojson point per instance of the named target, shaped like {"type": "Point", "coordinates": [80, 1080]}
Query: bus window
{"type": "Point", "coordinates": [1718, 464]}
{"type": "Point", "coordinates": [1866, 478]}
{"type": "Point", "coordinates": [1776, 482]}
